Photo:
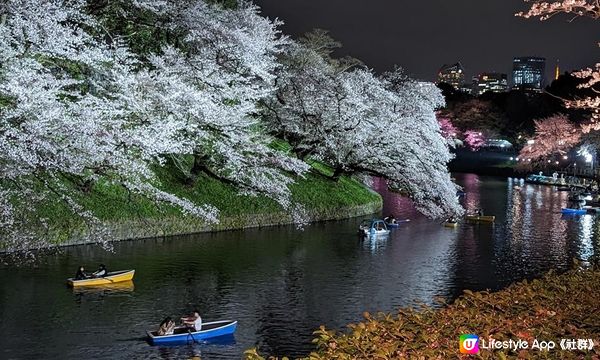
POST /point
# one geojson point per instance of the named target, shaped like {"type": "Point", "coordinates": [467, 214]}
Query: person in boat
{"type": "Point", "coordinates": [101, 272]}
{"type": "Point", "coordinates": [166, 327]}
{"type": "Point", "coordinates": [81, 275]}
{"type": "Point", "coordinates": [390, 219]}
{"type": "Point", "coordinates": [452, 220]}
{"type": "Point", "coordinates": [193, 321]}
{"type": "Point", "coordinates": [479, 212]}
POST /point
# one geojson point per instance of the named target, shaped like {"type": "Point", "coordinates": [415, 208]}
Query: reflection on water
{"type": "Point", "coordinates": [281, 283]}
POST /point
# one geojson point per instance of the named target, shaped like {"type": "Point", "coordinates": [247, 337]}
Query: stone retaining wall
{"type": "Point", "coordinates": [181, 225]}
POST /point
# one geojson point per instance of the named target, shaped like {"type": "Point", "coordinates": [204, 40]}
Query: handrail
{"type": "Point", "coordinates": [581, 171]}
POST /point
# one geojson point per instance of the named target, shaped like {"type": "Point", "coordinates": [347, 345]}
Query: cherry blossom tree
{"type": "Point", "coordinates": [79, 109]}
{"type": "Point", "coordinates": [554, 136]}
{"type": "Point", "coordinates": [364, 125]}
{"type": "Point", "coordinates": [417, 153]}
{"type": "Point", "coordinates": [58, 125]}
{"type": "Point", "coordinates": [545, 10]}
{"type": "Point", "coordinates": [76, 106]}
{"type": "Point", "coordinates": [449, 131]}
{"type": "Point", "coordinates": [475, 139]}
{"type": "Point", "coordinates": [223, 66]}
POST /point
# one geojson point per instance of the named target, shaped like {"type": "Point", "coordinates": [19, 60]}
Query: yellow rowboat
{"type": "Point", "coordinates": [116, 288]}
{"type": "Point", "coordinates": [451, 224]}
{"type": "Point", "coordinates": [485, 218]}
{"type": "Point", "coordinates": [110, 278]}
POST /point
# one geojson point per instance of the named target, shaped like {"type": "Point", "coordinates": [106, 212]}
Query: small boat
{"type": "Point", "coordinates": [183, 334]}
{"type": "Point", "coordinates": [482, 218]}
{"type": "Point", "coordinates": [395, 224]}
{"type": "Point", "coordinates": [450, 224]}
{"type": "Point", "coordinates": [110, 278]}
{"type": "Point", "coordinates": [116, 288]}
{"type": "Point", "coordinates": [373, 228]}
{"type": "Point", "coordinates": [569, 211]}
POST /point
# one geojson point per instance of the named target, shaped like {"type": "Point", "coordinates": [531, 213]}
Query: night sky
{"type": "Point", "coordinates": [422, 35]}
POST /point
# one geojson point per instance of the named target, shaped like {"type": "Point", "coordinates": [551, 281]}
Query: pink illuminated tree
{"type": "Point", "coordinates": [475, 139]}
{"type": "Point", "coordinates": [554, 136]}
{"type": "Point", "coordinates": [448, 130]}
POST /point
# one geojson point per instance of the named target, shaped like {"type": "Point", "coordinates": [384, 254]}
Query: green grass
{"type": "Point", "coordinates": [108, 202]}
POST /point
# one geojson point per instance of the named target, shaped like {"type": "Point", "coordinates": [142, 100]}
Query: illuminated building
{"type": "Point", "coordinates": [528, 73]}
{"type": "Point", "coordinates": [453, 74]}
{"type": "Point", "coordinates": [490, 82]}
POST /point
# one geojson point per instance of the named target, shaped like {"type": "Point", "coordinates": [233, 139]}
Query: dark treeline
{"type": "Point", "coordinates": [512, 113]}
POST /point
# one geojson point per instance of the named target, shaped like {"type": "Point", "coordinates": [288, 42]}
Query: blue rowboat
{"type": "Point", "coordinates": [574, 211]}
{"type": "Point", "coordinates": [183, 335]}
{"type": "Point", "coordinates": [396, 224]}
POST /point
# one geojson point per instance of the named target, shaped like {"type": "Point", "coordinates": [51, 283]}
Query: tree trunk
{"type": "Point", "coordinates": [199, 164]}
{"type": "Point", "coordinates": [337, 174]}
{"type": "Point", "coordinates": [200, 167]}
{"type": "Point", "coordinates": [302, 154]}
{"type": "Point", "coordinates": [86, 186]}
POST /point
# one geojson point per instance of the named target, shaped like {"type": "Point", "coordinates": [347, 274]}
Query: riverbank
{"type": "Point", "coordinates": [541, 309]}
{"type": "Point", "coordinates": [125, 216]}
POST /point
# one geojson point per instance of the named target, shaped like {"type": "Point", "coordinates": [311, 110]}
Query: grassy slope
{"type": "Point", "coordinates": [113, 203]}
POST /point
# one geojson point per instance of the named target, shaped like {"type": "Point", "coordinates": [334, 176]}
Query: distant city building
{"type": "Point", "coordinates": [453, 74]}
{"type": "Point", "coordinates": [528, 73]}
{"type": "Point", "coordinates": [466, 89]}
{"type": "Point", "coordinates": [490, 82]}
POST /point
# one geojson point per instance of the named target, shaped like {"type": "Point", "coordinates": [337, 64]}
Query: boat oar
{"type": "Point", "coordinates": [192, 335]}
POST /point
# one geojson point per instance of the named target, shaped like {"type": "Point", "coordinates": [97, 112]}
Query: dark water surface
{"type": "Point", "coordinates": [281, 283]}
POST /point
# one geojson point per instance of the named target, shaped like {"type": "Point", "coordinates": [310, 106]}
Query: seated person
{"type": "Point", "coordinates": [193, 321]}
{"type": "Point", "coordinates": [479, 212]}
{"type": "Point", "coordinates": [166, 327]}
{"type": "Point", "coordinates": [81, 275]}
{"type": "Point", "coordinates": [101, 271]}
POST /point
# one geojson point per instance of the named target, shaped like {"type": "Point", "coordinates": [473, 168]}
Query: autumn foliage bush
{"type": "Point", "coordinates": [551, 308]}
